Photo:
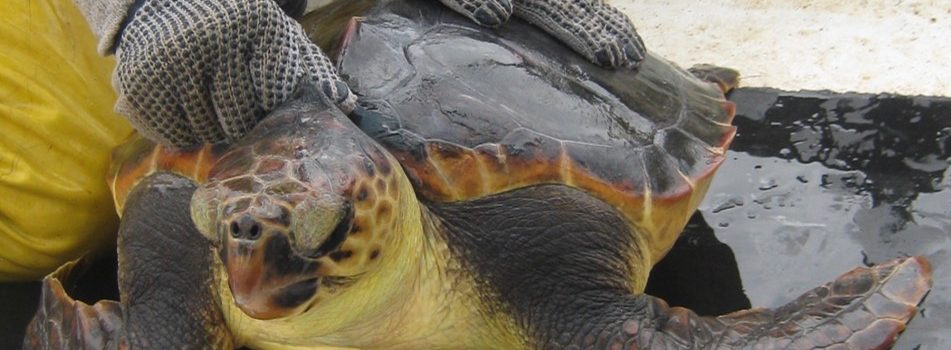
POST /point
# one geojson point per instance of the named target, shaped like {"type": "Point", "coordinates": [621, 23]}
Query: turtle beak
{"type": "Point", "coordinates": [267, 279]}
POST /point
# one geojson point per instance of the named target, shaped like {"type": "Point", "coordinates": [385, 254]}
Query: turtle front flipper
{"type": "Point", "coordinates": [165, 284]}
{"type": "Point", "coordinates": [165, 287]}
{"type": "Point", "coordinates": [865, 308]}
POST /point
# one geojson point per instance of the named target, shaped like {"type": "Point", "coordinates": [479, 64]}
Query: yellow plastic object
{"type": "Point", "coordinates": [57, 129]}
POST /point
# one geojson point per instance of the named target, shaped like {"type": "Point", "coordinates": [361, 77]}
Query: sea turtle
{"type": "Point", "coordinates": [492, 190]}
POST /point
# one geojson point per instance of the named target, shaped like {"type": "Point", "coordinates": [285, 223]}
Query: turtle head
{"type": "Point", "coordinates": [299, 211]}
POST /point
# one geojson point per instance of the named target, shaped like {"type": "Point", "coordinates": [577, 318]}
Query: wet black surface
{"type": "Point", "coordinates": [818, 183]}
{"type": "Point", "coordinates": [700, 273]}
{"type": "Point", "coordinates": [815, 184]}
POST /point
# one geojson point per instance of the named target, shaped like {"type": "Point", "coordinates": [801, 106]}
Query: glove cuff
{"type": "Point", "coordinates": [105, 18]}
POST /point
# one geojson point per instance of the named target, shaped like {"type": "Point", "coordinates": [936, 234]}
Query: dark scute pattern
{"type": "Point", "coordinates": [624, 169]}
{"type": "Point", "coordinates": [427, 75]}
{"type": "Point", "coordinates": [705, 130]}
{"type": "Point", "coordinates": [691, 157]}
{"type": "Point", "coordinates": [664, 170]}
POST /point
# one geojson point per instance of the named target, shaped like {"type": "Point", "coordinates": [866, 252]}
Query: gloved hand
{"type": "Point", "coordinates": [593, 28]}
{"type": "Point", "coordinates": [206, 71]}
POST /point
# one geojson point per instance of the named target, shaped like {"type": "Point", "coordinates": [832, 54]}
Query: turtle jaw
{"type": "Point", "coordinates": [266, 278]}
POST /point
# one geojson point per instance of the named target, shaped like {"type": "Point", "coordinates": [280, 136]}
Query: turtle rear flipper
{"type": "Point", "coordinates": [64, 323]}
{"type": "Point", "coordinates": [865, 308]}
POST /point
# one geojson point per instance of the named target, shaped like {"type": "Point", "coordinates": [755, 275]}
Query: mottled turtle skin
{"type": "Point", "coordinates": [493, 190]}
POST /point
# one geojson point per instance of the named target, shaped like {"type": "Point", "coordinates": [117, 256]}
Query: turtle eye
{"type": "Point", "coordinates": [339, 233]}
{"type": "Point", "coordinates": [204, 210]}
{"type": "Point", "coordinates": [319, 230]}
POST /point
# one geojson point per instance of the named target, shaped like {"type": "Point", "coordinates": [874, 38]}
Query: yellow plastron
{"type": "Point", "coordinates": [57, 128]}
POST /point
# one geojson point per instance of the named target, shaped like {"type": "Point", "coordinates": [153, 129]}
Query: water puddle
{"type": "Point", "coordinates": [818, 183]}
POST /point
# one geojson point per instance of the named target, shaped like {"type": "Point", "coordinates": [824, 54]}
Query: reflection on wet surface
{"type": "Point", "coordinates": [699, 272]}
{"type": "Point", "coordinates": [818, 183]}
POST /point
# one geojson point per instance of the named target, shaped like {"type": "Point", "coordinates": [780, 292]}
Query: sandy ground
{"type": "Point", "coordinates": [856, 46]}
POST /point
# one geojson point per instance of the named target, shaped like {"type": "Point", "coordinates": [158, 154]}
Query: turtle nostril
{"type": "Point", "coordinates": [235, 230]}
{"type": "Point", "coordinates": [254, 232]}
{"type": "Point", "coordinates": [245, 227]}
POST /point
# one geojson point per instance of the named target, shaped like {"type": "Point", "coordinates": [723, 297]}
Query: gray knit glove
{"type": "Point", "coordinates": [206, 71]}
{"type": "Point", "coordinates": [593, 28]}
